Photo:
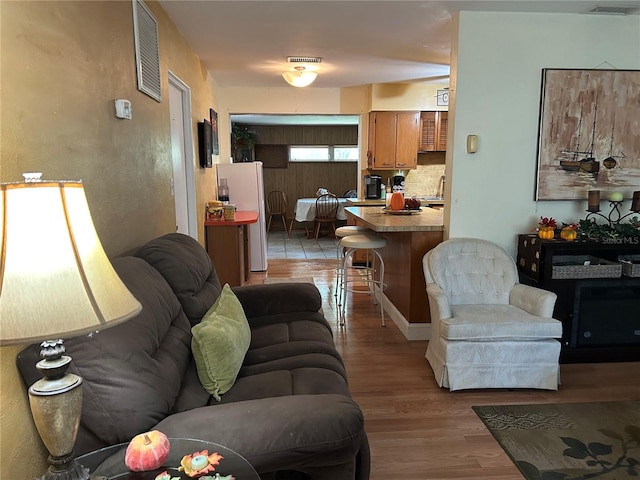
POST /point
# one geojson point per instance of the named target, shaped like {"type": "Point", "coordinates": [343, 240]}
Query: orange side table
{"type": "Point", "coordinates": [228, 247]}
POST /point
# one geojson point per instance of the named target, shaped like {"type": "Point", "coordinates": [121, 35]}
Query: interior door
{"type": "Point", "coordinates": [182, 183]}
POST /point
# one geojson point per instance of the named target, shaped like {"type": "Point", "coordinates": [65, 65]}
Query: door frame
{"type": "Point", "coordinates": [188, 152]}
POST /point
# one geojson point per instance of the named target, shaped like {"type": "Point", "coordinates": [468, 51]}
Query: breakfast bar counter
{"type": "Point", "coordinates": [426, 220]}
{"type": "Point", "coordinates": [409, 237]}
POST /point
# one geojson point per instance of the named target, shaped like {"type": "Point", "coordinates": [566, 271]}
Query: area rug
{"type": "Point", "coordinates": [569, 441]}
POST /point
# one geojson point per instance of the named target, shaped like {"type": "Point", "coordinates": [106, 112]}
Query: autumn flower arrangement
{"type": "Point", "coordinates": [547, 227]}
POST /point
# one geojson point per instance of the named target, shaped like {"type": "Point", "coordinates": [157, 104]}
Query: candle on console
{"type": "Point", "coordinates": [594, 201]}
{"type": "Point", "coordinates": [615, 197]}
{"type": "Point", "coordinates": [635, 203]}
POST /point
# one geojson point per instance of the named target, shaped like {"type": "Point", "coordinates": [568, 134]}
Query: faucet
{"type": "Point", "coordinates": [440, 192]}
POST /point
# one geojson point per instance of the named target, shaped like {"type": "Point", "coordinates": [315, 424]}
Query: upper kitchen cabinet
{"type": "Point", "coordinates": [393, 140]}
{"type": "Point", "coordinates": [433, 131]}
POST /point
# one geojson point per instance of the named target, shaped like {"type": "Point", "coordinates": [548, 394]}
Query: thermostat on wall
{"type": "Point", "coordinates": [123, 108]}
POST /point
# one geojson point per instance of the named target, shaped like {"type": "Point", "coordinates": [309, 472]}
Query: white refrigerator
{"type": "Point", "coordinates": [246, 191]}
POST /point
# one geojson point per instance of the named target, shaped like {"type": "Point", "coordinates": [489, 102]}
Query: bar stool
{"type": "Point", "coordinates": [342, 232]}
{"type": "Point", "coordinates": [351, 243]}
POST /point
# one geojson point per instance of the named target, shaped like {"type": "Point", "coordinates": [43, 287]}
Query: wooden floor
{"type": "Point", "coordinates": [417, 430]}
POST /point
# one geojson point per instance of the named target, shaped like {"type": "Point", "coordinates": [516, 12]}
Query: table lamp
{"type": "Point", "coordinates": [55, 281]}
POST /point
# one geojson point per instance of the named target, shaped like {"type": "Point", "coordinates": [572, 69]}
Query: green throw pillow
{"type": "Point", "coordinates": [220, 342]}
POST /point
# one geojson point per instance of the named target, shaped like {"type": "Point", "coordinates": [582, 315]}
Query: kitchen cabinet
{"type": "Point", "coordinates": [433, 131]}
{"type": "Point", "coordinates": [393, 140]}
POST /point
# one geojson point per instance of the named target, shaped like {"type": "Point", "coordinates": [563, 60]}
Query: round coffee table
{"type": "Point", "coordinates": [108, 463]}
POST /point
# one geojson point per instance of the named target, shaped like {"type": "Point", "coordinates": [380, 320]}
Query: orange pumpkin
{"type": "Point", "coordinates": [546, 233]}
{"type": "Point", "coordinates": [147, 451]}
{"type": "Point", "coordinates": [397, 201]}
{"type": "Point", "coordinates": [569, 234]}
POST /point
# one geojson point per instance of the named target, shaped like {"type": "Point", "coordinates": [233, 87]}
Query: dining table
{"type": "Point", "coordinates": [306, 209]}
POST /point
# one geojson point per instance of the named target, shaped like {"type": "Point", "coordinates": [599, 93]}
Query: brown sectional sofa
{"type": "Point", "coordinates": [289, 413]}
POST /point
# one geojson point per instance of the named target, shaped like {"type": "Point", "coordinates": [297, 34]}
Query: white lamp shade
{"type": "Point", "coordinates": [55, 278]}
{"type": "Point", "coordinates": [299, 78]}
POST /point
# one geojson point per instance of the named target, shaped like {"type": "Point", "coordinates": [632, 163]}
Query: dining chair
{"type": "Point", "coordinates": [326, 211]}
{"type": "Point", "coordinates": [277, 206]}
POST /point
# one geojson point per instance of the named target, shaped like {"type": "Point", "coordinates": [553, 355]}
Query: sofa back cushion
{"type": "Point", "coordinates": [132, 372]}
{"type": "Point", "coordinates": [187, 268]}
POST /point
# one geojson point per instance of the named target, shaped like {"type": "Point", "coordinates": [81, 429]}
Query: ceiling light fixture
{"type": "Point", "coordinates": [300, 77]}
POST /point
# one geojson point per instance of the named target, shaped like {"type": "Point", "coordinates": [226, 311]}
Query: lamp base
{"type": "Point", "coordinates": [56, 404]}
{"type": "Point", "coordinates": [65, 468]}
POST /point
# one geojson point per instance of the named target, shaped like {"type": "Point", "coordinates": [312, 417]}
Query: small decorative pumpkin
{"type": "Point", "coordinates": [546, 233]}
{"type": "Point", "coordinates": [568, 233]}
{"type": "Point", "coordinates": [397, 201]}
{"type": "Point", "coordinates": [147, 451]}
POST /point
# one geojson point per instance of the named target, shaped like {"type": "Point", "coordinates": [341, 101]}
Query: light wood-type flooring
{"type": "Point", "coordinates": [416, 430]}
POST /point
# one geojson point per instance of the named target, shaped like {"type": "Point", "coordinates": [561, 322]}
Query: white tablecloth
{"type": "Point", "coordinates": [306, 209]}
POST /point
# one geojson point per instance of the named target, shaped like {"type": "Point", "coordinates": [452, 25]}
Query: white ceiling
{"type": "Point", "coordinates": [245, 43]}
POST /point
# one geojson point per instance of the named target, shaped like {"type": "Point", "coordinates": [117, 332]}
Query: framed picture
{"type": "Point", "coordinates": [213, 118]}
{"type": "Point", "coordinates": [588, 133]}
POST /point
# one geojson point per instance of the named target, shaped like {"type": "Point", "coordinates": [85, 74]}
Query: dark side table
{"type": "Point", "coordinates": [108, 463]}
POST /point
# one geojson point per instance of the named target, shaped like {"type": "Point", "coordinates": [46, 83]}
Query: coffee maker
{"type": "Point", "coordinates": [372, 187]}
{"type": "Point", "coordinates": [397, 183]}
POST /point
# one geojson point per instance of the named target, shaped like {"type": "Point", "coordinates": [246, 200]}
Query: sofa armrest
{"type": "Point", "coordinates": [533, 300]}
{"type": "Point", "coordinates": [438, 302]}
{"type": "Point", "coordinates": [278, 298]}
{"type": "Point", "coordinates": [283, 433]}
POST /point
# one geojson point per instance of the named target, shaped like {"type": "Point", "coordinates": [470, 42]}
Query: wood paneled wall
{"type": "Point", "coordinates": [301, 180]}
{"type": "Point", "coordinates": [307, 134]}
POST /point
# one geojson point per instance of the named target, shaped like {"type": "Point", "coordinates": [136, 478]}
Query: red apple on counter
{"type": "Point", "coordinates": [412, 203]}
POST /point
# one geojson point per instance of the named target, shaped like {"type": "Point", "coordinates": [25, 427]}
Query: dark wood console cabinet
{"type": "Point", "coordinates": [600, 316]}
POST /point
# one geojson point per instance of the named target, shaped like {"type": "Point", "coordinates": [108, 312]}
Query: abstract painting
{"type": "Point", "coordinates": [588, 134]}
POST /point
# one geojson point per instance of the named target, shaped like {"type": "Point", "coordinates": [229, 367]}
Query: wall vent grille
{"type": "Point", "coordinates": [613, 10]}
{"type": "Point", "coordinates": [304, 59]}
{"type": "Point", "coordinates": [147, 57]}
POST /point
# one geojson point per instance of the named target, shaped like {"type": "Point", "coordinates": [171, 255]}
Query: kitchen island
{"type": "Point", "coordinates": [409, 237]}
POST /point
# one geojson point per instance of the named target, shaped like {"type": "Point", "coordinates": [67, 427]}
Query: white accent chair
{"type": "Point", "coordinates": [488, 330]}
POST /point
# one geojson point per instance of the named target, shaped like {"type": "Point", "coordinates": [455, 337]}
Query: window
{"type": "Point", "coordinates": [323, 154]}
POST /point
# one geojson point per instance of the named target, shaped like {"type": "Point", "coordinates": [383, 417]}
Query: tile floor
{"type": "Point", "coordinates": [279, 246]}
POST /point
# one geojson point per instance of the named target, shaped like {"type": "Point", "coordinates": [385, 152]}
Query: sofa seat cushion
{"type": "Point", "coordinates": [284, 433]}
{"type": "Point", "coordinates": [496, 323]}
{"type": "Point", "coordinates": [290, 327]}
{"type": "Point", "coordinates": [269, 353]}
{"type": "Point", "coordinates": [303, 360]}
{"type": "Point", "coordinates": [284, 383]}
{"type": "Point", "coordinates": [220, 342]}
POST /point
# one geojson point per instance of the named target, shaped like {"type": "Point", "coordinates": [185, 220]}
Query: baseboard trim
{"type": "Point", "coordinates": [411, 331]}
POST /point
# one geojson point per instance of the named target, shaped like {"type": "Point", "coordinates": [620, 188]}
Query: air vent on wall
{"type": "Point", "coordinates": [147, 56]}
{"type": "Point", "coordinates": [613, 10]}
{"type": "Point", "coordinates": [304, 59]}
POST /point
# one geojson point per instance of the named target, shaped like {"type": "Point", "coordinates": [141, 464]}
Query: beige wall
{"type": "Point", "coordinates": [63, 64]}
{"type": "Point", "coordinates": [490, 194]}
{"type": "Point", "coordinates": [406, 96]}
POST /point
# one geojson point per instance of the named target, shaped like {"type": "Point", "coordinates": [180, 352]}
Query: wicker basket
{"type": "Point", "coordinates": [583, 266]}
{"type": "Point", "coordinates": [630, 265]}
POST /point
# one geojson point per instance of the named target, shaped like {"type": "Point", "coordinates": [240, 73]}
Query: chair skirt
{"type": "Point", "coordinates": [460, 365]}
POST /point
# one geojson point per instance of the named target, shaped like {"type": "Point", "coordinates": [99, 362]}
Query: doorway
{"type": "Point", "coordinates": [183, 181]}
